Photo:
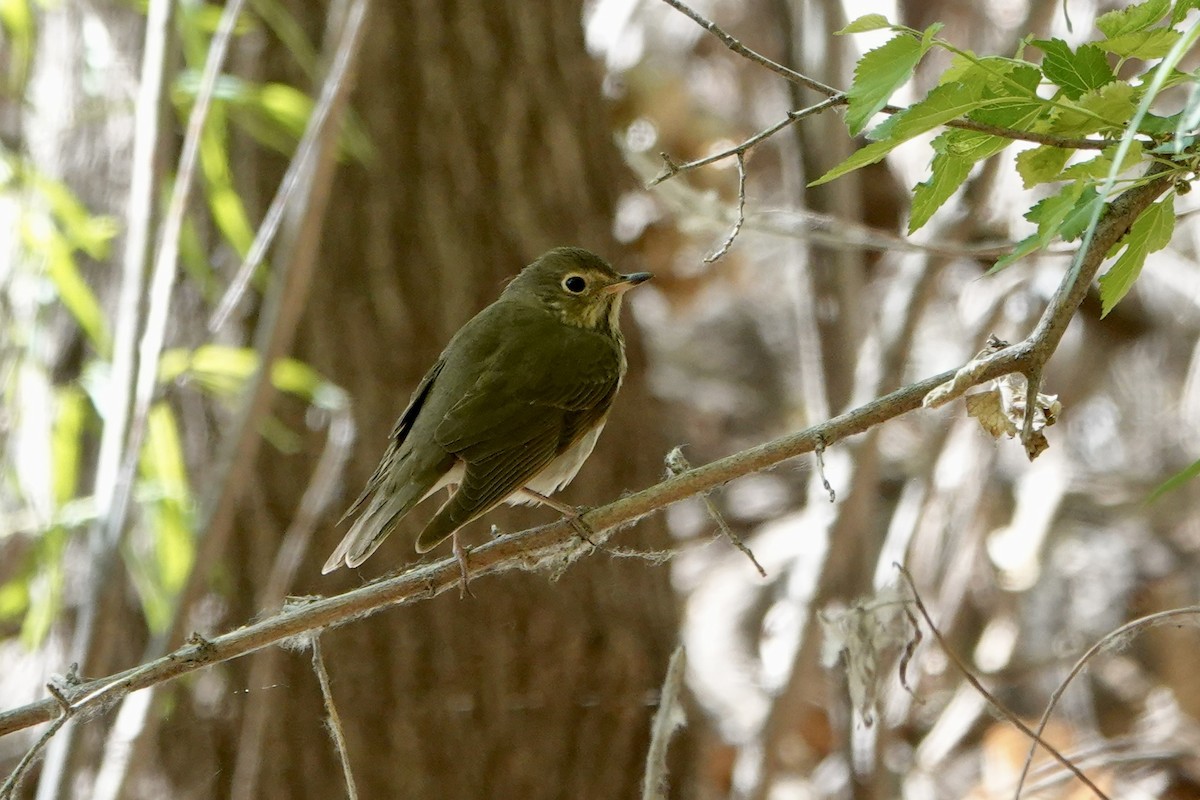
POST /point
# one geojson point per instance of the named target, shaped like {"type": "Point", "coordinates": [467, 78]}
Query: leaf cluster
{"type": "Point", "coordinates": [1091, 122]}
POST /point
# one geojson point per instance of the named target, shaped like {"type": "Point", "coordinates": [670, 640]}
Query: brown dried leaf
{"type": "Point", "coordinates": [989, 408]}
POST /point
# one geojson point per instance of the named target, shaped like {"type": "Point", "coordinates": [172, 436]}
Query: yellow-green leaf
{"type": "Point", "coordinates": [1150, 232]}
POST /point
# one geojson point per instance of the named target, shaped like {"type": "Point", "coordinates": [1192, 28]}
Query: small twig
{"type": "Point", "coordinates": [1135, 626]}
{"type": "Point", "coordinates": [9, 789]}
{"type": "Point", "coordinates": [671, 168]}
{"type": "Point", "coordinates": [741, 49]}
{"type": "Point", "coordinates": [741, 212]}
{"type": "Point", "coordinates": [667, 720]}
{"type": "Point", "coordinates": [334, 720]}
{"type": "Point", "coordinates": [677, 464]}
{"type": "Point", "coordinates": [819, 454]}
{"type": "Point", "coordinates": [832, 93]}
{"type": "Point", "coordinates": [1000, 708]}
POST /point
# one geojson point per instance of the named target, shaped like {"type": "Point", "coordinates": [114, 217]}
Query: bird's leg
{"type": "Point", "coordinates": [571, 513]}
{"type": "Point", "coordinates": [464, 577]}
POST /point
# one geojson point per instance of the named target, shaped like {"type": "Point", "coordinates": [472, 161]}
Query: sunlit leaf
{"type": "Point", "coordinates": [1075, 71]}
{"type": "Point", "coordinates": [1150, 232]}
{"type": "Point", "coordinates": [867, 22]}
{"type": "Point", "coordinates": [1132, 18]}
{"type": "Point", "coordinates": [1041, 164]}
{"type": "Point", "coordinates": [880, 72]}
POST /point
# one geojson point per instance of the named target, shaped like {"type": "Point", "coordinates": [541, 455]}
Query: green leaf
{"type": "Point", "coordinates": [872, 153]}
{"type": "Point", "coordinates": [163, 468]}
{"type": "Point", "coordinates": [1050, 212]}
{"type": "Point", "coordinates": [880, 72]}
{"type": "Point", "coordinates": [44, 241]}
{"type": "Point", "coordinates": [867, 22]}
{"type": "Point", "coordinates": [67, 441]}
{"type": "Point", "coordinates": [1076, 222]}
{"type": "Point", "coordinates": [947, 173]}
{"type": "Point", "coordinates": [1075, 72]}
{"type": "Point", "coordinates": [1041, 164]}
{"type": "Point", "coordinates": [1098, 167]}
{"type": "Point", "coordinates": [1146, 45]}
{"type": "Point", "coordinates": [1150, 232]}
{"type": "Point", "coordinates": [971, 145]}
{"type": "Point", "coordinates": [1182, 7]}
{"type": "Point", "coordinates": [1023, 248]}
{"type": "Point", "coordinates": [946, 102]}
{"type": "Point", "coordinates": [1175, 481]}
{"type": "Point", "coordinates": [1106, 108]}
{"type": "Point", "coordinates": [1009, 107]}
{"type": "Point", "coordinates": [1132, 18]}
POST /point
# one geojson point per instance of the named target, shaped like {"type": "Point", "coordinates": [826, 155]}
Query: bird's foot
{"type": "Point", "coordinates": [464, 577]}
{"type": "Point", "coordinates": [573, 514]}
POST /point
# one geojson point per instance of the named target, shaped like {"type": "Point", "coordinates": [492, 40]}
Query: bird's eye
{"type": "Point", "coordinates": [574, 284]}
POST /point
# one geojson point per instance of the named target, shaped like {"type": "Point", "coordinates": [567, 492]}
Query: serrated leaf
{"type": "Point", "coordinates": [1182, 7]}
{"type": "Point", "coordinates": [944, 103]}
{"type": "Point", "coordinates": [1098, 167]}
{"type": "Point", "coordinates": [867, 22]}
{"type": "Point", "coordinates": [1077, 71]}
{"type": "Point", "coordinates": [1049, 213]}
{"type": "Point", "coordinates": [947, 173]}
{"type": "Point", "coordinates": [1023, 248]}
{"type": "Point", "coordinates": [1008, 109]}
{"type": "Point", "coordinates": [1150, 232]}
{"type": "Point", "coordinates": [880, 72]}
{"type": "Point", "coordinates": [1132, 18]}
{"type": "Point", "coordinates": [872, 153]}
{"type": "Point", "coordinates": [1108, 107]}
{"type": "Point", "coordinates": [971, 145]}
{"type": "Point", "coordinates": [1041, 164]}
{"type": "Point", "coordinates": [1076, 221]}
{"type": "Point", "coordinates": [1146, 45]}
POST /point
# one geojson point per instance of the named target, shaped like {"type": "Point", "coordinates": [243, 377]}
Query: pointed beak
{"type": "Point", "coordinates": [629, 281]}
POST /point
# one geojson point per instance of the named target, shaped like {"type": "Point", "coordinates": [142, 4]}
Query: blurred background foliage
{"type": "Point", "coordinates": [821, 304]}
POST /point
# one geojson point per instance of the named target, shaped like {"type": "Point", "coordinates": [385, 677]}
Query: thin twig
{"type": "Point", "coordinates": [832, 93]}
{"type": "Point", "coordinates": [1121, 633]}
{"type": "Point", "coordinates": [9, 789]}
{"type": "Point", "coordinates": [677, 464]}
{"type": "Point", "coordinates": [335, 720]}
{"type": "Point", "coordinates": [1000, 708]}
{"type": "Point", "coordinates": [667, 720]}
{"type": "Point", "coordinates": [819, 455]}
{"type": "Point", "coordinates": [741, 49]}
{"type": "Point", "coordinates": [741, 212]}
{"type": "Point", "coordinates": [671, 168]}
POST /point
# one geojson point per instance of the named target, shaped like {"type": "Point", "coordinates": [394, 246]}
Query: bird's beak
{"type": "Point", "coordinates": [629, 281]}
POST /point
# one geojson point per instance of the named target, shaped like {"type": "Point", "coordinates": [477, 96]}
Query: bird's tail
{"type": "Point", "coordinates": [373, 525]}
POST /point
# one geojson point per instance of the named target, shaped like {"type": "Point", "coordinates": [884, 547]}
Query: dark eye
{"type": "Point", "coordinates": [574, 284]}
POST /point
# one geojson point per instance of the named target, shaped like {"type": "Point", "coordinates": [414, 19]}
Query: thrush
{"type": "Point", "coordinates": [511, 409]}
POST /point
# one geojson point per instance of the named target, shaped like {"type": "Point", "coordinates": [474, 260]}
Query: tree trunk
{"type": "Point", "coordinates": [493, 145]}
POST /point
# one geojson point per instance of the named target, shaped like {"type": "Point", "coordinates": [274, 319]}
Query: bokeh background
{"type": "Point", "coordinates": [476, 136]}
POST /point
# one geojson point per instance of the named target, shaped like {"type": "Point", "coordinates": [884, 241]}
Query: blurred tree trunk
{"type": "Point", "coordinates": [493, 145]}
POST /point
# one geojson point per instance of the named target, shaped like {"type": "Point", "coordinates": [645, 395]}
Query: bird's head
{"type": "Point", "coordinates": [577, 285]}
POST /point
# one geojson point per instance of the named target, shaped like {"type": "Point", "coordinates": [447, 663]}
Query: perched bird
{"type": "Point", "coordinates": [511, 409]}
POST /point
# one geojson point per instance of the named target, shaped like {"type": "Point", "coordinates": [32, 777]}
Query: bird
{"type": "Point", "coordinates": [510, 410]}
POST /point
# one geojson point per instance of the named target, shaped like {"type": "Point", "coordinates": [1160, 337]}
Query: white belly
{"type": "Point", "coordinates": [562, 470]}
{"type": "Point", "coordinates": [557, 474]}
